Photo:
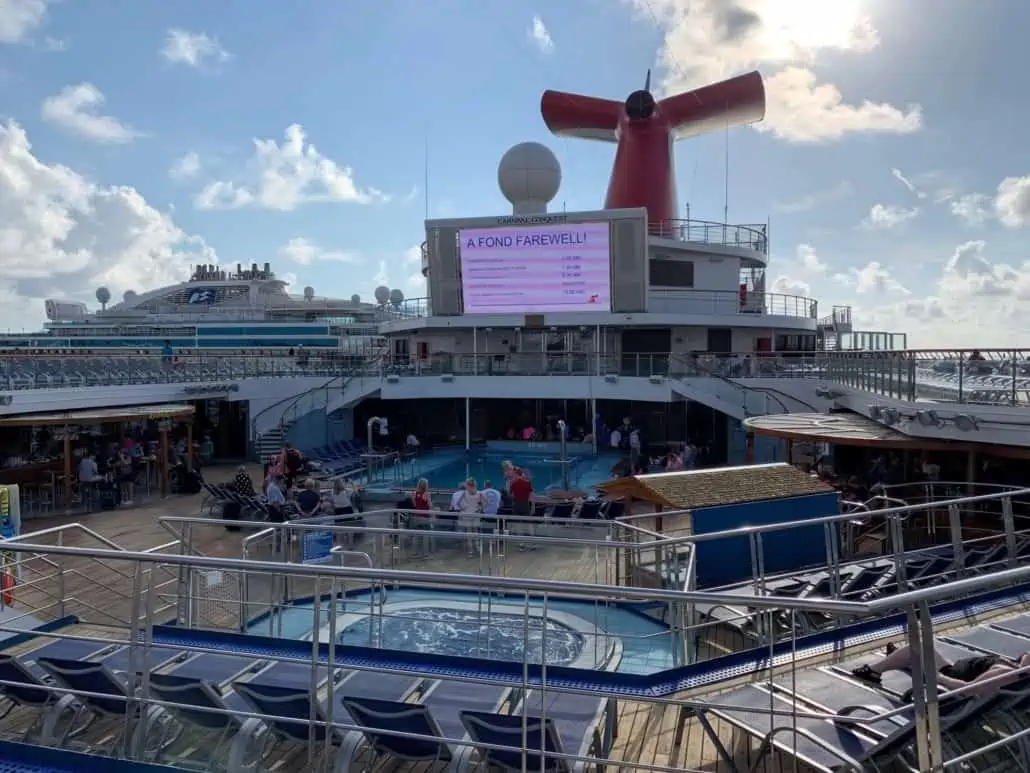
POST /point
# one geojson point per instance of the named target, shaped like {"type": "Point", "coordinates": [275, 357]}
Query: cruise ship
{"type": "Point", "coordinates": [832, 576]}
{"type": "Point", "coordinates": [215, 309]}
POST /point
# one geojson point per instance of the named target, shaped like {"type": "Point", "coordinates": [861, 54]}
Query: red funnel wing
{"type": "Point", "coordinates": [733, 102]}
{"type": "Point", "coordinates": [573, 115]}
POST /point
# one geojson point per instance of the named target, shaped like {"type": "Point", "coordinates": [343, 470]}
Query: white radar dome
{"type": "Point", "coordinates": [529, 176]}
{"type": "Point", "coordinates": [355, 299]}
{"type": "Point", "coordinates": [309, 293]}
{"type": "Point", "coordinates": [396, 297]}
{"type": "Point", "coordinates": [382, 294]}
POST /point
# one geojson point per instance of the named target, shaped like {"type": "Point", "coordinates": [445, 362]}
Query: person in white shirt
{"type": "Point", "coordinates": [89, 477]}
{"type": "Point", "coordinates": [634, 445]}
{"type": "Point", "coordinates": [615, 439]}
{"type": "Point", "coordinates": [491, 498]}
{"type": "Point", "coordinates": [470, 504]}
{"type": "Point", "coordinates": [456, 497]}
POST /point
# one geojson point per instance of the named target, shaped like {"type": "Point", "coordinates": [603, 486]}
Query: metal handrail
{"type": "Point", "coordinates": [745, 531]}
{"type": "Point", "coordinates": [399, 576]}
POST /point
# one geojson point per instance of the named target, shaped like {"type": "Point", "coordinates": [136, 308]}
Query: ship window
{"type": "Point", "coordinates": [671, 273]}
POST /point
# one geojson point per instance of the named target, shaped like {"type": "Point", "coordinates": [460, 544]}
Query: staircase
{"type": "Point", "coordinates": [269, 444]}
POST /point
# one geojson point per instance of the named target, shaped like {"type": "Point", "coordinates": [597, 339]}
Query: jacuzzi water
{"type": "Point", "coordinates": [469, 633]}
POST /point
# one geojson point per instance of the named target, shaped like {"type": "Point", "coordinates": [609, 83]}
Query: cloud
{"type": "Point", "coordinates": [786, 285]}
{"type": "Point", "coordinates": [707, 40]}
{"type": "Point", "coordinates": [193, 49]}
{"type": "Point", "coordinates": [810, 260]}
{"type": "Point", "coordinates": [1012, 203]}
{"type": "Point", "coordinates": [62, 235]}
{"type": "Point", "coordinates": [972, 208]}
{"type": "Point", "coordinates": [76, 109]}
{"type": "Point", "coordinates": [911, 186]}
{"type": "Point", "coordinates": [540, 36]}
{"type": "Point", "coordinates": [185, 168]}
{"type": "Point", "coordinates": [284, 176]}
{"type": "Point", "coordinates": [305, 252]}
{"type": "Point", "coordinates": [403, 272]}
{"type": "Point", "coordinates": [888, 216]}
{"type": "Point", "coordinates": [20, 18]}
{"type": "Point", "coordinates": [872, 278]}
{"type": "Point", "coordinates": [813, 200]}
{"type": "Point", "coordinates": [974, 299]}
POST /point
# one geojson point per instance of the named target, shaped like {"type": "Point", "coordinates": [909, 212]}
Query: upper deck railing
{"type": "Point", "coordinates": [666, 301]}
{"type": "Point", "coordinates": [977, 376]}
{"type": "Point", "coordinates": [750, 237]}
{"type": "Point", "coordinates": [995, 377]}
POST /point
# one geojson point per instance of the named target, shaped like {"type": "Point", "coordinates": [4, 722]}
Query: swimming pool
{"type": "Point", "coordinates": [444, 469]}
{"type": "Point", "coordinates": [495, 631]}
{"type": "Point", "coordinates": [575, 633]}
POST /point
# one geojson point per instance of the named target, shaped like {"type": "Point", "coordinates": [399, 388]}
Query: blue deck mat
{"type": "Point", "coordinates": [27, 758]}
{"type": "Point", "coordinates": [607, 683]}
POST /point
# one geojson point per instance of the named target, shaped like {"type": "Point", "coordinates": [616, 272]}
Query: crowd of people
{"type": "Point", "coordinates": [289, 490]}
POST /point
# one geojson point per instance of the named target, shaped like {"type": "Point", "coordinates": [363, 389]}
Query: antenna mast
{"type": "Point", "coordinates": [425, 153]}
{"type": "Point", "coordinates": [726, 175]}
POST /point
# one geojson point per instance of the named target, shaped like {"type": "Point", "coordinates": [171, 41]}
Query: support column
{"type": "Point", "coordinates": [592, 403]}
{"type": "Point", "coordinates": [162, 463]}
{"type": "Point", "coordinates": [790, 451]}
{"type": "Point", "coordinates": [468, 423]}
{"type": "Point", "coordinates": [749, 447]}
{"type": "Point", "coordinates": [971, 474]}
{"type": "Point", "coordinates": [67, 466]}
{"type": "Point", "coordinates": [189, 446]}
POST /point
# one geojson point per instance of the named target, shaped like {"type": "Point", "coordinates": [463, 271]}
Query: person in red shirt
{"type": "Point", "coordinates": [421, 519]}
{"type": "Point", "coordinates": [521, 490]}
{"type": "Point", "coordinates": [521, 493]}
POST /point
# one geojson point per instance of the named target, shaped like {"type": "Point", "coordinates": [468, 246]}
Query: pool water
{"type": "Point", "coordinates": [445, 469]}
{"type": "Point", "coordinates": [469, 633]}
{"type": "Point", "coordinates": [646, 645]}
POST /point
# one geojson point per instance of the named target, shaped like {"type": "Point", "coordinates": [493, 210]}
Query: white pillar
{"type": "Point", "coordinates": [468, 428]}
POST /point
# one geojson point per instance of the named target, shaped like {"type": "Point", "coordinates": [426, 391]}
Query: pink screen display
{"type": "Point", "coordinates": [536, 269]}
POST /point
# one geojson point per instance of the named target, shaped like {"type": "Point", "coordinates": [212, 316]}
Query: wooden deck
{"type": "Point", "coordinates": [102, 592]}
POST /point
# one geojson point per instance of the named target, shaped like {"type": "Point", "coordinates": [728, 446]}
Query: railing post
{"type": "Point", "coordinates": [1009, 520]}
{"type": "Point", "coordinates": [961, 376]}
{"type": "Point", "coordinates": [1014, 365]}
{"type": "Point", "coordinates": [957, 546]}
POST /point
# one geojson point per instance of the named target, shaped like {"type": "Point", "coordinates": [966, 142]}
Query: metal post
{"type": "Point", "coordinates": [563, 453]}
{"type": "Point", "coordinates": [475, 352]}
{"type": "Point", "coordinates": [468, 419]}
{"type": "Point", "coordinates": [593, 422]}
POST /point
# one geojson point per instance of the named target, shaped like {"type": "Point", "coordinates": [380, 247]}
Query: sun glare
{"type": "Point", "coordinates": [812, 24]}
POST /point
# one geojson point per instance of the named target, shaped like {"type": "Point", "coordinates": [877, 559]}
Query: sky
{"type": "Point", "coordinates": [139, 138]}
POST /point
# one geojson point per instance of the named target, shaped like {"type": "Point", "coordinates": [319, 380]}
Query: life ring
{"type": "Point", "coordinates": [7, 587]}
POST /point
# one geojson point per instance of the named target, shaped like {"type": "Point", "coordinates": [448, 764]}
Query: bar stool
{"type": "Point", "coordinates": [46, 499]}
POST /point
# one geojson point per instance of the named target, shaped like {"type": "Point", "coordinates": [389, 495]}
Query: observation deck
{"type": "Point", "coordinates": [752, 239]}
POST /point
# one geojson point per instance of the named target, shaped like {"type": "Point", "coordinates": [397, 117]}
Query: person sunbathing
{"type": "Point", "coordinates": [977, 670]}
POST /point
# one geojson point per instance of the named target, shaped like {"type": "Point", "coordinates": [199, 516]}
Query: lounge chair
{"type": "Point", "coordinates": [58, 718]}
{"type": "Point", "coordinates": [555, 723]}
{"type": "Point", "coordinates": [108, 697]}
{"type": "Point", "coordinates": [437, 715]}
{"type": "Point", "coordinates": [283, 695]}
{"type": "Point", "coordinates": [203, 709]}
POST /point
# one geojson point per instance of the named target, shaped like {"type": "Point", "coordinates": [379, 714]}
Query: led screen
{"type": "Point", "coordinates": [536, 269]}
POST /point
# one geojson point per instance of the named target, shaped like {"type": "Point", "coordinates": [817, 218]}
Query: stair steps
{"type": "Point", "coordinates": [270, 443]}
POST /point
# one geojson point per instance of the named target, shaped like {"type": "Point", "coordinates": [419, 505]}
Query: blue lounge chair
{"type": "Point", "coordinates": [202, 708]}
{"type": "Point", "coordinates": [57, 716]}
{"type": "Point", "coordinates": [284, 692]}
{"type": "Point", "coordinates": [107, 696]}
{"type": "Point", "coordinates": [555, 723]}
{"type": "Point", "coordinates": [437, 715]}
